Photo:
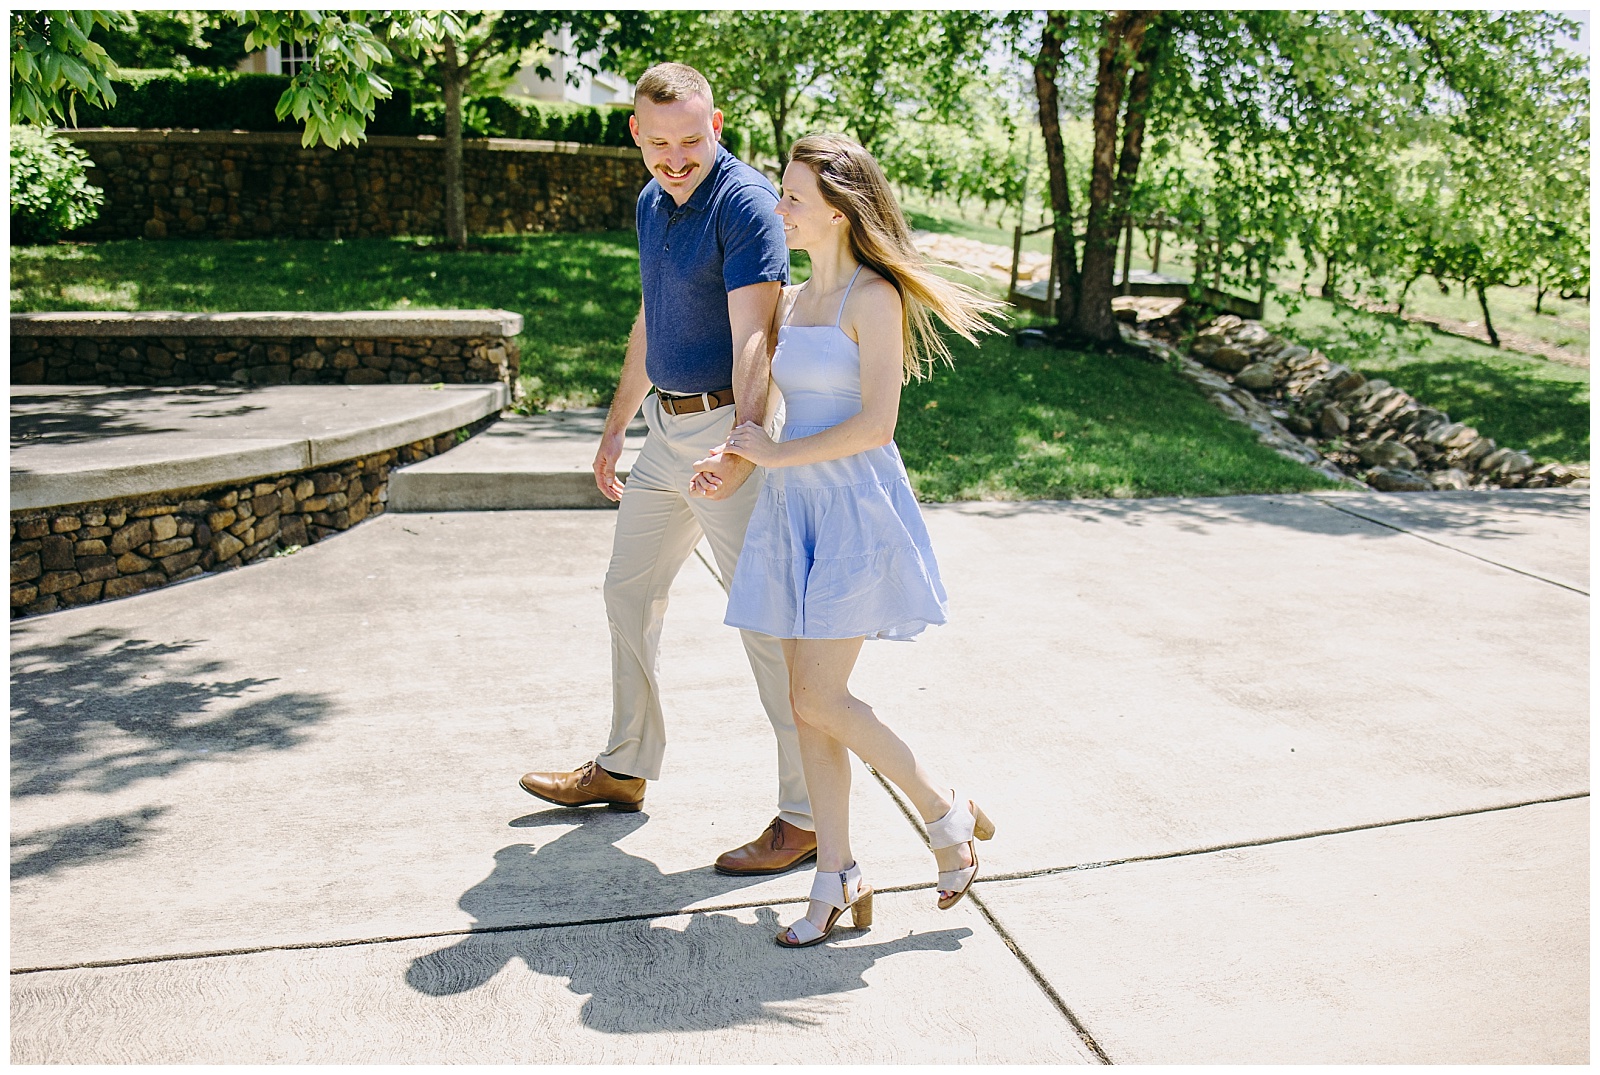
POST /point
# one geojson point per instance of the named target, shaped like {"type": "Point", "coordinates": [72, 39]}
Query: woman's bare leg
{"type": "Point", "coordinates": [827, 713]}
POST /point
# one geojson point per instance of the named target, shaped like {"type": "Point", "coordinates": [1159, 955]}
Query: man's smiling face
{"type": "Point", "coordinates": [678, 140]}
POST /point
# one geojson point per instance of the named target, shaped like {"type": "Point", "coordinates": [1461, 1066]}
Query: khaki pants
{"type": "Point", "coordinates": [658, 526]}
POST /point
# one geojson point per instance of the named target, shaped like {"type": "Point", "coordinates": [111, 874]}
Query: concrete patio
{"type": "Point", "coordinates": [1290, 779]}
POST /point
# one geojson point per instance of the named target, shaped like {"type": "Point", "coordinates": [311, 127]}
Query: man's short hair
{"type": "Point", "coordinates": [672, 82]}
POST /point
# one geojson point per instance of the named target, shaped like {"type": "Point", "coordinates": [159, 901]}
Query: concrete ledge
{"type": "Point", "coordinates": [73, 445]}
{"type": "Point", "coordinates": [183, 136]}
{"type": "Point", "coordinates": [357, 324]}
{"type": "Point", "coordinates": [538, 462]}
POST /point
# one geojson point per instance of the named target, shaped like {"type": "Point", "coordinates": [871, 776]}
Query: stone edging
{"type": "Point", "coordinates": [356, 324]}
{"type": "Point", "coordinates": [188, 136]}
{"type": "Point", "coordinates": [1336, 421]}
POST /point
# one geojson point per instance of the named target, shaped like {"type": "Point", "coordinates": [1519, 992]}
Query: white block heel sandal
{"type": "Point", "coordinates": [841, 891]}
{"type": "Point", "coordinates": [960, 824]}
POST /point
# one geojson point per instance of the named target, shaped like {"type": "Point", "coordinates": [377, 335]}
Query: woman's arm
{"type": "Point", "coordinates": [874, 313]}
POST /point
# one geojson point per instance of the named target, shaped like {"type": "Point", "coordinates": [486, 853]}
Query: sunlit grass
{"type": "Point", "coordinates": [1004, 423]}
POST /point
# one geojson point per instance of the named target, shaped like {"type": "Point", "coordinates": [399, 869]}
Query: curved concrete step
{"type": "Point", "coordinates": [537, 461]}
{"type": "Point", "coordinates": [77, 444]}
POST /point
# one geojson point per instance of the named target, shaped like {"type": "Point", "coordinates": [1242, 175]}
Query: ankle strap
{"type": "Point", "coordinates": [955, 827]}
{"type": "Point", "coordinates": [837, 889]}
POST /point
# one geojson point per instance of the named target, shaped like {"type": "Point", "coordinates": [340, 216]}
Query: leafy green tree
{"type": "Point", "coordinates": [868, 72]}
{"type": "Point", "coordinates": [1310, 125]}
{"type": "Point", "coordinates": [54, 63]}
{"type": "Point", "coordinates": [452, 47]}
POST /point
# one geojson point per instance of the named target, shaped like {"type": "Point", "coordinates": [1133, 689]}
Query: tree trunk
{"type": "Point", "coordinates": [1122, 40]}
{"type": "Point", "coordinates": [1483, 304]}
{"type": "Point", "coordinates": [1400, 310]}
{"type": "Point", "coordinates": [1538, 299]}
{"type": "Point", "coordinates": [1127, 257]}
{"type": "Point", "coordinates": [1063, 251]}
{"type": "Point", "coordinates": [455, 200]}
{"type": "Point", "coordinates": [1329, 285]}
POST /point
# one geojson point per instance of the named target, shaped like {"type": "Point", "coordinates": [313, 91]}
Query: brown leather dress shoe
{"type": "Point", "coordinates": [779, 849]}
{"type": "Point", "coordinates": [584, 786]}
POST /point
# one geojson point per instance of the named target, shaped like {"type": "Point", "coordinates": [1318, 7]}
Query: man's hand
{"type": "Point", "coordinates": [605, 465]}
{"type": "Point", "coordinates": [719, 475]}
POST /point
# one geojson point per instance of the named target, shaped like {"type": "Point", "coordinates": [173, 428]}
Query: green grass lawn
{"type": "Point", "coordinates": [577, 293]}
{"type": "Point", "coordinates": [1003, 423]}
{"type": "Point", "coordinates": [1525, 402]}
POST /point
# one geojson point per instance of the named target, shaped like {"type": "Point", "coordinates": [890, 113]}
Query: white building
{"type": "Point", "coordinates": [598, 89]}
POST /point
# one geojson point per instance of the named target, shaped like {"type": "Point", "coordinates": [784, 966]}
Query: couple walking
{"type": "Point", "coordinates": [818, 531]}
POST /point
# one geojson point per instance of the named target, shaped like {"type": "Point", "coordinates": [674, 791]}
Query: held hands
{"type": "Point", "coordinates": [721, 472]}
{"type": "Point", "coordinates": [719, 475]}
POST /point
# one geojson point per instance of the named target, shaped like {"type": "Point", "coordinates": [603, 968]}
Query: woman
{"type": "Point", "coordinates": [836, 551]}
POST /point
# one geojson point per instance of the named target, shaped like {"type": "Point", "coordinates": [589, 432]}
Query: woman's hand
{"type": "Point", "coordinates": [749, 440]}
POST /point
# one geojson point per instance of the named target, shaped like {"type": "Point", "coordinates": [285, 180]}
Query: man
{"type": "Point", "coordinates": [712, 261]}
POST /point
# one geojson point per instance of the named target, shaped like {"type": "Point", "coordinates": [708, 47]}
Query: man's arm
{"type": "Point", "coordinates": [632, 387]}
{"type": "Point", "coordinates": [751, 311]}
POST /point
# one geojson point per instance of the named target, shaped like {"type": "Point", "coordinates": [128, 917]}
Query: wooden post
{"type": "Point", "coordinates": [1262, 302]}
{"type": "Point", "coordinates": [1016, 257]}
{"type": "Point", "coordinates": [1155, 259]}
{"type": "Point", "coordinates": [1216, 268]}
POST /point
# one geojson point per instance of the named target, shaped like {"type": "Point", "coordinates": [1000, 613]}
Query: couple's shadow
{"type": "Point", "coordinates": [697, 971]}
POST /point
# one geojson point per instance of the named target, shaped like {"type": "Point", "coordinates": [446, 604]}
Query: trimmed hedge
{"type": "Point", "coordinates": [226, 101]}
{"type": "Point", "coordinates": [556, 121]}
{"type": "Point", "coordinates": [220, 101]}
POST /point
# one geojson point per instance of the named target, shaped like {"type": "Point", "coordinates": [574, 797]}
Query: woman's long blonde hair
{"type": "Point", "coordinates": [853, 183]}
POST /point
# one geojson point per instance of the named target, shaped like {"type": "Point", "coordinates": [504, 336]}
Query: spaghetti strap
{"type": "Point", "coordinates": [840, 315]}
{"type": "Point", "coordinates": [793, 302]}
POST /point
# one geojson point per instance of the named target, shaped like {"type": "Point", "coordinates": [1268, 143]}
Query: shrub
{"type": "Point", "coordinates": [49, 192]}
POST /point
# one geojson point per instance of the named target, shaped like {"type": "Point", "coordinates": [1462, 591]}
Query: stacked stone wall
{"type": "Point", "coordinates": [243, 185]}
{"type": "Point", "coordinates": [261, 360]}
{"type": "Point", "coordinates": [1335, 420]}
{"type": "Point", "coordinates": [79, 554]}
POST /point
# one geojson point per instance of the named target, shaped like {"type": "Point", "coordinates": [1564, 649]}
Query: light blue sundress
{"type": "Point", "coordinates": [835, 549]}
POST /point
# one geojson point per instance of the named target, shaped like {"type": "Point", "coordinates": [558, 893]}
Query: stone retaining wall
{"type": "Point", "coordinates": [163, 184]}
{"type": "Point", "coordinates": [78, 554]}
{"type": "Point", "coordinates": [1337, 421]}
{"type": "Point", "coordinates": [261, 349]}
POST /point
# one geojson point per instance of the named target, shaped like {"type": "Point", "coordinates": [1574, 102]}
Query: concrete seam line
{"type": "Point", "coordinates": [1442, 545]}
{"type": "Point", "coordinates": [218, 953]}
{"type": "Point", "coordinates": [356, 942]}
{"type": "Point", "coordinates": [1024, 875]}
{"type": "Point", "coordinates": [1027, 964]}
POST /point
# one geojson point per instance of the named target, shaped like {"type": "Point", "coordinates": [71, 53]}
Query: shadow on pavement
{"type": "Point", "coordinates": [708, 972]}
{"type": "Point", "coordinates": [49, 850]}
{"type": "Point", "coordinates": [1462, 513]}
{"type": "Point", "coordinates": [100, 711]}
{"type": "Point", "coordinates": [74, 417]}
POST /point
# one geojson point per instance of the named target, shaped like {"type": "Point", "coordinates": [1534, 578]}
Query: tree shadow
{"type": "Point", "coordinates": [640, 975]}
{"type": "Point", "coordinates": [1465, 513]}
{"type": "Point", "coordinates": [41, 418]}
{"type": "Point", "coordinates": [50, 850]}
{"type": "Point", "coordinates": [100, 710]}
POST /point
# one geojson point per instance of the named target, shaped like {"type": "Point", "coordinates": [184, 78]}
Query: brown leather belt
{"type": "Point", "coordinates": [705, 401]}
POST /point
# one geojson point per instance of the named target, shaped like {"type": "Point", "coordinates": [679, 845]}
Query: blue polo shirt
{"type": "Point", "coordinates": [726, 236]}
